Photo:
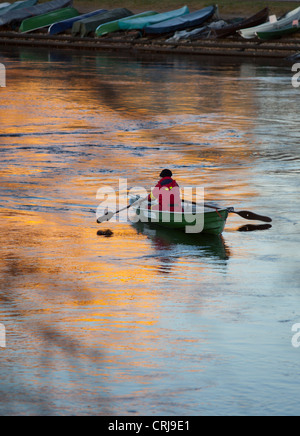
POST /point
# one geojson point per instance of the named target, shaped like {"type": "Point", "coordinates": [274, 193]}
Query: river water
{"type": "Point", "coordinates": [147, 322]}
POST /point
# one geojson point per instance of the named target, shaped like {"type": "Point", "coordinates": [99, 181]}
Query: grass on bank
{"type": "Point", "coordinates": [226, 7]}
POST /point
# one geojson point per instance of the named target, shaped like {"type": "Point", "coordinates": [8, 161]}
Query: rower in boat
{"type": "Point", "coordinates": [167, 192]}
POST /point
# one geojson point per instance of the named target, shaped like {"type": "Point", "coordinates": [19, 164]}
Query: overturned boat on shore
{"type": "Point", "coordinates": [65, 25]}
{"type": "Point", "coordinates": [231, 29]}
{"type": "Point", "coordinates": [89, 25]}
{"type": "Point", "coordinates": [114, 26]}
{"type": "Point", "coordinates": [45, 20]}
{"type": "Point", "coordinates": [183, 22]}
{"type": "Point", "coordinates": [143, 22]}
{"type": "Point", "coordinates": [272, 24]}
{"type": "Point", "coordinates": [7, 7]}
{"type": "Point", "coordinates": [14, 18]}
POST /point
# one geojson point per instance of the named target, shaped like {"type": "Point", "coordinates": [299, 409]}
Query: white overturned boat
{"type": "Point", "coordinates": [286, 20]}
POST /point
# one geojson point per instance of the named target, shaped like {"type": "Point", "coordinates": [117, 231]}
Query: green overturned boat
{"type": "Point", "coordinates": [279, 33]}
{"type": "Point", "coordinates": [193, 219]}
{"type": "Point", "coordinates": [141, 22]}
{"type": "Point", "coordinates": [114, 26]}
{"type": "Point", "coordinates": [46, 20]}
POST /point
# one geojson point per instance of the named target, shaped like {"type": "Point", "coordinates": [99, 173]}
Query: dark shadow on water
{"type": "Point", "coordinates": [254, 227]}
{"type": "Point", "coordinates": [201, 245]}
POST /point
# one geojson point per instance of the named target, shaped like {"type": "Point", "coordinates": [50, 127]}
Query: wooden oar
{"type": "Point", "coordinates": [108, 215]}
{"type": "Point", "coordinates": [242, 213]}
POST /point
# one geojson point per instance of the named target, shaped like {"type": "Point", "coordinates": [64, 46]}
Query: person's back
{"type": "Point", "coordinates": [166, 194]}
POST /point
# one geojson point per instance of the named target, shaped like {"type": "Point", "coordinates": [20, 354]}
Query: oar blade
{"type": "Point", "coordinates": [253, 216]}
{"type": "Point", "coordinates": [106, 217]}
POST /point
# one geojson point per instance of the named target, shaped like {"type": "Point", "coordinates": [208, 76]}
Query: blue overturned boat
{"type": "Point", "coordinates": [143, 22]}
{"type": "Point", "coordinates": [16, 5]}
{"type": "Point", "coordinates": [63, 26]}
{"type": "Point", "coordinates": [15, 17]}
{"type": "Point", "coordinates": [183, 22]}
{"type": "Point", "coordinates": [4, 5]}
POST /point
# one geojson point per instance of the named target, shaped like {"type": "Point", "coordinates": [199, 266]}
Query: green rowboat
{"type": "Point", "coordinates": [46, 20]}
{"type": "Point", "coordinates": [192, 220]}
{"type": "Point", "coordinates": [278, 33]}
{"type": "Point", "coordinates": [114, 26]}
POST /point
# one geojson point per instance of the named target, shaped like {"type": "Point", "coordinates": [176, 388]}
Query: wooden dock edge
{"type": "Point", "coordinates": [215, 47]}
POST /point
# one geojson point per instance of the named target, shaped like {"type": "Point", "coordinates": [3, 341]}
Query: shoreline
{"type": "Point", "coordinates": [208, 47]}
{"type": "Point", "coordinates": [233, 46]}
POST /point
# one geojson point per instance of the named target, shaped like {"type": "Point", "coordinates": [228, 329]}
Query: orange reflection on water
{"type": "Point", "coordinates": [110, 301]}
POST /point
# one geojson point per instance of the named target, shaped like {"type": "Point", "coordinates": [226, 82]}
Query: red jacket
{"type": "Point", "coordinates": [167, 192]}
